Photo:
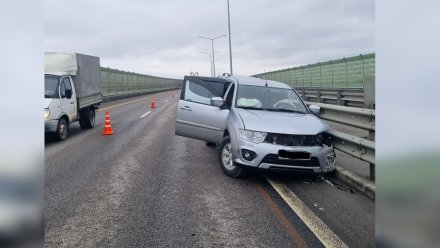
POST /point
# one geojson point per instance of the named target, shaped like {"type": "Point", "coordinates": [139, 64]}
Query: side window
{"type": "Point", "coordinates": [62, 90]}
{"type": "Point", "coordinates": [67, 83]}
{"type": "Point", "coordinates": [229, 97]}
{"type": "Point", "coordinates": [202, 92]}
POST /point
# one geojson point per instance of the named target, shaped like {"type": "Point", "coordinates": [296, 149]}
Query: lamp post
{"type": "Point", "coordinates": [230, 47]}
{"type": "Point", "coordinates": [210, 61]}
{"type": "Point", "coordinates": [212, 46]}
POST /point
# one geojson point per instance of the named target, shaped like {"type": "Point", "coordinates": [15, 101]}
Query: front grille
{"type": "Point", "coordinates": [274, 159]}
{"type": "Point", "coordinates": [290, 139]}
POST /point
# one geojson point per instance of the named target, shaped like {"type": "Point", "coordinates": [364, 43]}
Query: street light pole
{"type": "Point", "coordinates": [213, 57]}
{"type": "Point", "coordinates": [230, 46]}
{"type": "Point", "coordinates": [210, 61]}
{"type": "Point", "coordinates": [212, 45]}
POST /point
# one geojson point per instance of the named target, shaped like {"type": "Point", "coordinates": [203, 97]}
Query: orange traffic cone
{"type": "Point", "coordinates": [153, 104]}
{"type": "Point", "coordinates": [108, 126]}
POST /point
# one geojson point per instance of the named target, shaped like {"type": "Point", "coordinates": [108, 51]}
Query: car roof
{"type": "Point", "coordinates": [244, 80]}
{"type": "Point", "coordinates": [211, 79]}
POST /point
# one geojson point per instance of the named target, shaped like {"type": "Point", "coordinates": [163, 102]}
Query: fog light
{"type": "Point", "coordinates": [248, 155]}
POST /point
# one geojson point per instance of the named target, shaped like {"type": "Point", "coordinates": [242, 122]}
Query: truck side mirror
{"type": "Point", "coordinates": [68, 93]}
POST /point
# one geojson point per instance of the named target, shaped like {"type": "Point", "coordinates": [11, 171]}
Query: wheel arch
{"type": "Point", "coordinates": [66, 117]}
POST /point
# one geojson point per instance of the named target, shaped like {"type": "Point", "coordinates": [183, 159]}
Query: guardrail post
{"type": "Point", "coordinates": [371, 136]}
{"type": "Point", "coordinates": [338, 97]}
{"type": "Point", "coordinates": [318, 96]}
{"type": "Point", "coordinates": [372, 172]}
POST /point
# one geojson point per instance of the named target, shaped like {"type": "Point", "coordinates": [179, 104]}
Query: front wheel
{"type": "Point", "coordinates": [226, 160]}
{"type": "Point", "coordinates": [62, 128]}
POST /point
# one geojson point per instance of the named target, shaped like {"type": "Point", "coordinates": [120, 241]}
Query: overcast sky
{"type": "Point", "coordinates": [161, 37]}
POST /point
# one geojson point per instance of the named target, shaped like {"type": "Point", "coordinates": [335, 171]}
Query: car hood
{"type": "Point", "coordinates": [281, 122]}
{"type": "Point", "coordinates": [47, 102]}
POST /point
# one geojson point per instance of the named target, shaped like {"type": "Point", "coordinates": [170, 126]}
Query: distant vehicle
{"type": "Point", "coordinates": [72, 91]}
{"type": "Point", "coordinates": [256, 124]}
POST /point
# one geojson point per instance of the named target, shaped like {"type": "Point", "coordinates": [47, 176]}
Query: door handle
{"type": "Point", "coordinates": [72, 102]}
{"type": "Point", "coordinates": [186, 108]}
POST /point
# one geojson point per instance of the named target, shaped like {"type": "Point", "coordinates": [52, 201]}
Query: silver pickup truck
{"type": "Point", "coordinates": [255, 123]}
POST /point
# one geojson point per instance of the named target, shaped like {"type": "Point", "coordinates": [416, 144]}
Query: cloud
{"type": "Point", "coordinates": [160, 37]}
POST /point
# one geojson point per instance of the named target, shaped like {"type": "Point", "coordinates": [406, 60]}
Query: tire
{"type": "Point", "coordinates": [226, 162]}
{"type": "Point", "coordinates": [62, 129]}
{"type": "Point", "coordinates": [87, 118]}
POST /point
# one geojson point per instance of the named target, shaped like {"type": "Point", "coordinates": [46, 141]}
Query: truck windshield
{"type": "Point", "coordinates": [269, 98]}
{"type": "Point", "coordinates": [51, 86]}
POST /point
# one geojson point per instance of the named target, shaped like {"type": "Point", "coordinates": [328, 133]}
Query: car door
{"type": "Point", "coordinates": [68, 104]}
{"type": "Point", "coordinates": [196, 117]}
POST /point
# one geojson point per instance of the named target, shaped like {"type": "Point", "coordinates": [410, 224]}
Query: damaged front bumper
{"type": "Point", "coordinates": [265, 156]}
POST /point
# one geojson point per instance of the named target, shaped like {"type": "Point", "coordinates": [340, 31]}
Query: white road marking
{"type": "Point", "coordinates": [319, 228]}
{"type": "Point", "coordinates": [142, 116]}
{"type": "Point", "coordinates": [124, 103]}
{"type": "Point", "coordinates": [166, 100]}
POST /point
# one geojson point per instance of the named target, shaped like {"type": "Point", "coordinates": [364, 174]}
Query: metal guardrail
{"type": "Point", "coordinates": [352, 97]}
{"type": "Point", "coordinates": [355, 117]}
{"type": "Point", "coordinates": [362, 149]}
{"type": "Point", "coordinates": [357, 147]}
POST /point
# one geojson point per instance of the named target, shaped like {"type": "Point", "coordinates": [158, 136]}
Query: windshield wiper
{"type": "Point", "coordinates": [48, 96]}
{"type": "Point", "coordinates": [252, 108]}
{"type": "Point", "coordinates": [287, 110]}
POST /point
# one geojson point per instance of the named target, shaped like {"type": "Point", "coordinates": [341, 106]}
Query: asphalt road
{"type": "Point", "coordinates": [146, 187]}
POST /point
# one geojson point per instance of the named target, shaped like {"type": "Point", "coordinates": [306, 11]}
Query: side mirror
{"type": "Point", "coordinates": [68, 93]}
{"type": "Point", "coordinates": [315, 109]}
{"type": "Point", "coordinates": [217, 101]}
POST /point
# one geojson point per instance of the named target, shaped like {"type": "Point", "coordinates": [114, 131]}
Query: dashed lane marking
{"type": "Point", "coordinates": [142, 116]}
{"type": "Point", "coordinates": [319, 228]}
{"type": "Point", "coordinates": [125, 103]}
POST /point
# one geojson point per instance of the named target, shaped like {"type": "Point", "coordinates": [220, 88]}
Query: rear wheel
{"type": "Point", "coordinates": [62, 128]}
{"type": "Point", "coordinates": [226, 160]}
{"type": "Point", "coordinates": [87, 118]}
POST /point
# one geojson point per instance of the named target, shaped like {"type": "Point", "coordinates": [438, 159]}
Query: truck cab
{"type": "Point", "coordinates": [60, 103]}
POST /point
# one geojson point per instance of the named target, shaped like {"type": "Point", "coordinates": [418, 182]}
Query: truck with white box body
{"type": "Point", "coordinates": [72, 91]}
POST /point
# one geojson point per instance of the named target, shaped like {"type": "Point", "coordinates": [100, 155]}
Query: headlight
{"type": "Point", "coordinates": [252, 136]}
{"type": "Point", "coordinates": [319, 139]}
{"type": "Point", "coordinates": [46, 112]}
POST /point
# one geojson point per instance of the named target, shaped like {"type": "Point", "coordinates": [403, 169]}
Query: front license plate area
{"type": "Point", "coordinates": [294, 155]}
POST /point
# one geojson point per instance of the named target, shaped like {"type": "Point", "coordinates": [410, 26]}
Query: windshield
{"type": "Point", "coordinates": [269, 98]}
{"type": "Point", "coordinates": [51, 86]}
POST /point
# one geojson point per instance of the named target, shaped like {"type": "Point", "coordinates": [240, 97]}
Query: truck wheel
{"type": "Point", "coordinates": [226, 162]}
{"type": "Point", "coordinates": [87, 118]}
{"type": "Point", "coordinates": [62, 128]}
